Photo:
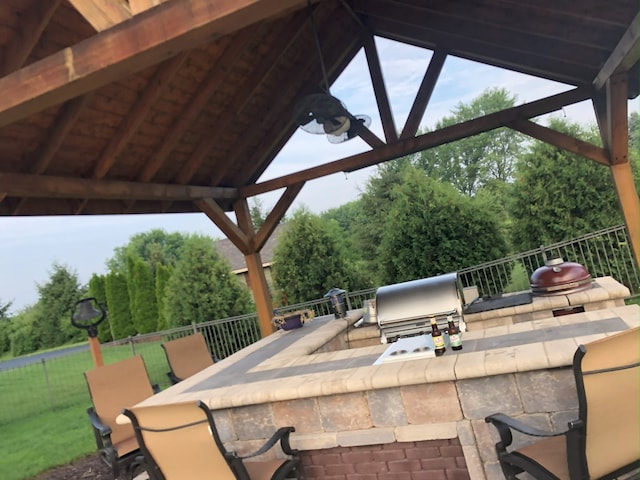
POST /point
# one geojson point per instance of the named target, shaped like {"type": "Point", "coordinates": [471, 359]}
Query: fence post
{"type": "Point", "coordinates": [132, 345]}
{"type": "Point", "coordinates": [193, 325]}
{"type": "Point", "coordinates": [46, 379]}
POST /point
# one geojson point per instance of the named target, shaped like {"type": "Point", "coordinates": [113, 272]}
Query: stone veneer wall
{"type": "Point", "coordinates": [449, 411]}
{"type": "Point", "coordinates": [426, 460]}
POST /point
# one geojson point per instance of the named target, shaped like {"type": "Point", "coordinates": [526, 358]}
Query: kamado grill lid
{"type": "Point", "coordinates": [558, 277]}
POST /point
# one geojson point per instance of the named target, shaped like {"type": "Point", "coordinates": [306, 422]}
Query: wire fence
{"type": "Point", "coordinates": [55, 380]}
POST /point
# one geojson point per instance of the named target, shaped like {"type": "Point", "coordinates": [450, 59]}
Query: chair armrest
{"type": "Point", "coordinates": [156, 388]}
{"type": "Point", "coordinates": [281, 435]}
{"type": "Point", "coordinates": [504, 424]}
{"type": "Point", "coordinates": [173, 379]}
{"type": "Point", "coordinates": [104, 430]}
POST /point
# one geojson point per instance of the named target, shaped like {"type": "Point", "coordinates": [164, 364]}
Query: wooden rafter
{"type": "Point", "coordinates": [103, 14]}
{"type": "Point", "coordinates": [138, 6]}
{"type": "Point", "coordinates": [379, 90]}
{"type": "Point", "coordinates": [32, 24]}
{"type": "Point", "coordinates": [561, 140]}
{"type": "Point", "coordinates": [143, 41]}
{"type": "Point", "coordinates": [424, 93]}
{"type": "Point", "coordinates": [45, 186]}
{"type": "Point", "coordinates": [623, 57]}
{"type": "Point", "coordinates": [423, 142]}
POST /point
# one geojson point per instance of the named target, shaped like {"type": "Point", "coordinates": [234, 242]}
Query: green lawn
{"type": "Point", "coordinates": [43, 420]}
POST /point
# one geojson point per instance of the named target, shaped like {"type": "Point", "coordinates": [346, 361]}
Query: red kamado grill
{"type": "Point", "coordinates": [558, 277]}
{"type": "Point", "coordinates": [405, 309]}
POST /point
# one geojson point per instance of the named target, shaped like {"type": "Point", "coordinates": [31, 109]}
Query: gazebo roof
{"type": "Point", "coordinates": [116, 106]}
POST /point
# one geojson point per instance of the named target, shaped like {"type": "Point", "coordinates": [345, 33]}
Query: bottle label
{"type": "Point", "coordinates": [438, 341]}
{"type": "Point", "coordinates": [455, 340]}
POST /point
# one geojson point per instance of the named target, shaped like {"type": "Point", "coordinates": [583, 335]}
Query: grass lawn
{"type": "Point", "coordinates": [43, 420]}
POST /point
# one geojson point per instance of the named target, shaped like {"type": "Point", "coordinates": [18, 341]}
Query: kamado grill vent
{"type": "Point", "coordinates": [405, 309]}
{"type": "Point", "coordinates": [558, 277]}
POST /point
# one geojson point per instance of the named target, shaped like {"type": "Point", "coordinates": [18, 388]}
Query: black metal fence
{"type": "Point", "coordinates": [55, 380]}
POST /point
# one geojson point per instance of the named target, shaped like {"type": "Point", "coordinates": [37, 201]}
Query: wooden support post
{"type": "Point", "coordinates": [96, 353]}
{"type": "Point", "coordinates": [618, 143]}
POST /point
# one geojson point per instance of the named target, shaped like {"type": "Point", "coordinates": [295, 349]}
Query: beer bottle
{"type": "Point", "coordinates": [438, 339]}
{"type": "Point", "coordinates": [454, 334]}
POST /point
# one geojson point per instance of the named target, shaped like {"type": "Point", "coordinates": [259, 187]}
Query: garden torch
{"type": "Point", "coordinates": [85, 315]}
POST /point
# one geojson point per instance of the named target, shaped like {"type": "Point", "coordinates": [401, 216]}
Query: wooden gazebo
{"type": "Point", "coordinates": [151, 106]}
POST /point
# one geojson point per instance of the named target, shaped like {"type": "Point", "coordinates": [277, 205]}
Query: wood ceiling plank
{"type": "Point", "coordinates": [134, 45]}
{"type": "Point", "coordinates": [138, 113]}
{"type": "Point", "coordinates": [212, 81]}
{"type": "Point", "coordinates": [288, 35]}
{"type": "Point", "coordinates": [423, 142]}
{"type": "Point", "coordinates": [138, 6]}
{"type": "Point", "coordinates": [102, 14]}
{"type": "Point", "coordinates": [32, 24]}
{"type": "Point", "coordinates": [424, 93]}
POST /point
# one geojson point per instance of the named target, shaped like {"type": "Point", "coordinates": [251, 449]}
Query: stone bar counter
{"type": "Point", "coordinates": [421, 418]}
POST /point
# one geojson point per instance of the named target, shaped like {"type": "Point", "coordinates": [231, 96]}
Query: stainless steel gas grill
{"type": "Point", "coordinates": [405, 309]}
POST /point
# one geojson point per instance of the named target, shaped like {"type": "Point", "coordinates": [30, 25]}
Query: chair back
{"type": "Point", "coordinates": [116, 386]}
{"type": "Point", "coordinates": [187, 355]}
{"type": "Point", "coordinates": [180, 441]}
{"type": "Point", "coordinates": [607, 377]}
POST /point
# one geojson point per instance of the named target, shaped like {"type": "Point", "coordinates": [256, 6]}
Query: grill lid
{"type": "Point", "coordinates": [558, 277]}
{"type": "Point", "coordinates": [418, 299]}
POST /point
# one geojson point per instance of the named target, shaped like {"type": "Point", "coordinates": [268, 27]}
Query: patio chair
{"type": "Point", "coordinates": [112, 388]}
{"type": "Point", "coordinates": [180, 441]}
{"type": "Point", "coordinates": [603, 442]}
{"type": "Point", "coordinates": [187, 356]}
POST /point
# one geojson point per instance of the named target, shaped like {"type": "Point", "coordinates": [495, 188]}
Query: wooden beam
{"type": "Point", "coordinates": [212, 210]}
{"type": "Point", "coordinates": [102, 14]}
{"type": "Point", "coordinates": [377, 80]}
{"type": "Point", "coordinates": [424, 93]}
{"type": "Point", "coordinates": [276, 215]}
{"type": "Point", "coordinates": [32, 24]}
{"type": "Point", "coordinates": [561, 140]}
{"type": "Point", "coordinates": [623, 57]}
{"type": "Point", "coordinates": [255, 270]}
{"type": "Point", "coordinates": [45, 186]}
{"type": "Point", "coordinates": [132, 46]}
{"type": "Point", "coordinates": [423, 142]}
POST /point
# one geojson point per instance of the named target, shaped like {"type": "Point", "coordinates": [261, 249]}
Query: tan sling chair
{"type": "Point", "coordinates": [187, 356]}
{"type": "Point", "coordinates": [180, 441]}
{"type": "Point", "coordinates": [112, 388]}
{"type": "Point", "coordinates": [603, 442]}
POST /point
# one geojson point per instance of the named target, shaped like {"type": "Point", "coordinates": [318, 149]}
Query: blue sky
{"type": "Point", "coordinates": [29, 246]}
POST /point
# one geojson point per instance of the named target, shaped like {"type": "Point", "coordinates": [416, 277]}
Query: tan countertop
{"type": "Point", "coordinates": [283, 366]}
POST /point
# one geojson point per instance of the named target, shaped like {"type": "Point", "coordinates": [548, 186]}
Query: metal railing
{"type": "Point", "coordinates": [57, 381]}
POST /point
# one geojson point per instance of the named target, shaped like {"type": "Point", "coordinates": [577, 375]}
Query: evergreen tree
{"type": "Point", "coordinates": [97, 291]}
{"type": "Point", "coordinates": [118, 305]}
{"type": "Point", "coordinates": [202, 286]}
{"type": "Point", "coordinates": [142, 296]}
{"type": "Point", "coordinates": [431, 229]}
{"type": "Point", "coordinates": [559, 195]}
{"type": "Point", "coordinates": [52, 319]}
{"type": "Point", "coordinates": [310, 259]}
{"type": "Point", "coordinates": [163, 273]}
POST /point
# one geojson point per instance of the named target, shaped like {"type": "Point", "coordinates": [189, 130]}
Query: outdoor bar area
{"type": "Point", "coordinates": [424, 416]}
